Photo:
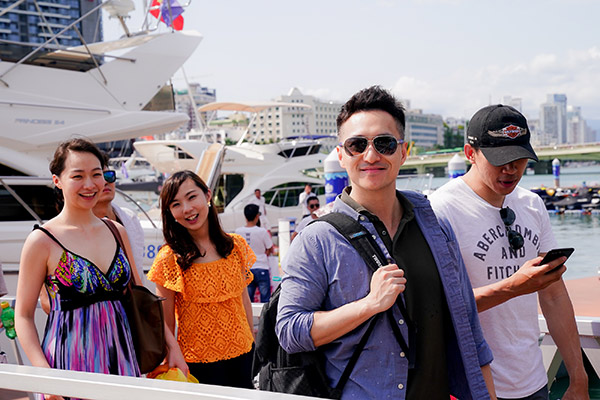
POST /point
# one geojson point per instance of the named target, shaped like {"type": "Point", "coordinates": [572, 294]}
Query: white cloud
{"type": "Point", "coordinates": [463, 91]}
{"type": "Point", "coordinates": [324, 94]}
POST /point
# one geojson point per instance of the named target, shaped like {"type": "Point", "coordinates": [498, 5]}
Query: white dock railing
{"type": "Point", "coordinates": [92, 386]}
{"type": "Point", "coordinates": [86, 385]}
{"type": "Point", "coordinates": [589, 337]}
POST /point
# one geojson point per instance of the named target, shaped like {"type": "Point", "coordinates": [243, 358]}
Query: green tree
{"type": "Point", "coordinates": [453, 137]}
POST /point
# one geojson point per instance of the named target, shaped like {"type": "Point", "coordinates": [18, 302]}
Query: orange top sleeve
{"type": "Point", "coordinates": [212, 324]}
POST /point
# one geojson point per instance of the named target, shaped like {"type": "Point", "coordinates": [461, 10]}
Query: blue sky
{"type": "Point", "coordinates": [449, 57]}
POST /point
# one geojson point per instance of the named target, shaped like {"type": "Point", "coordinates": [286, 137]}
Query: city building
{"type": "Point", "coordinates": [425, 130]}
{"type": "Point", "coordinates": [578, 130]}
{"type": "Point", "coordinates": [514, 102]}
{"type": "Point", "coordinates": [553, 120]}
{"type": "Point", "coordinates": [534, 128]}
{"type": "Point", "coordinates": [278, 123]}
{"type": "Point", "coordinates": [575, 125]}
{"type": "Point", "coordinates": [34, 22]}
{"type": "Point", "coordinates": [187, 102]}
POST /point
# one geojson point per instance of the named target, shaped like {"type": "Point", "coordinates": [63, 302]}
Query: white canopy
{"type": "Point", "coordinates": [250, 106]}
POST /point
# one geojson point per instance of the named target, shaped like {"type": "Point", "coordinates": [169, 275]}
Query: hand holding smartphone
{"type": "Point", "coordinates": [556, 253]}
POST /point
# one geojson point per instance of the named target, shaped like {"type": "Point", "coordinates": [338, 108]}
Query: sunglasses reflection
{"type": "Point", "coordinates": [110, 176]}
{"type": "Point", "coordinates": [384, 144]}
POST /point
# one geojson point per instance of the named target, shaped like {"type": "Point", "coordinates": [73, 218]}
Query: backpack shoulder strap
{"type": "Point", "coordinates": [360, 238]}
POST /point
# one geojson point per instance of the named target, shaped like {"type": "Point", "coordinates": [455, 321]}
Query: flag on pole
{"type": "Point", "coordinates": [169, 11]}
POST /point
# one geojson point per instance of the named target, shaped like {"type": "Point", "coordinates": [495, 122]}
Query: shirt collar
{"type": "Point", "coordinates": [407, 206]}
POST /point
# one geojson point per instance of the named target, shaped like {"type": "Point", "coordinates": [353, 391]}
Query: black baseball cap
{"type": "Point", "coordinates": [251, 211]}
{"type": "Point", "coordinates": [501, 133]}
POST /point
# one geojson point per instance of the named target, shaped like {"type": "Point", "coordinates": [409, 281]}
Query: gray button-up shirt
{"type": "Point", "coordinates": [323, 272]}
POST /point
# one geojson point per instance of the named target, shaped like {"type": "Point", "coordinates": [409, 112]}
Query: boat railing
{"type": "Point", "coordinates": [93, 386]}
{"type": "Point", "coordinates": [589, 337]}
{"type": "Point", "coordinates": [20, 200]}
{"type": "Point", "coordinates": [420, 182]}
{"type": "Point", "coordinates": [72, 25]}
{"type": "Point", "coordinates": [137, 205]}
{"type": "Point", "coordinates": [18, 376]}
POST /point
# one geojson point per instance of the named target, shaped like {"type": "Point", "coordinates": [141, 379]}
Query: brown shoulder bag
{"type": "Point", "coordinates": [146, 320]}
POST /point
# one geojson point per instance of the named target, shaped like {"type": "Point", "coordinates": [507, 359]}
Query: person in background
{"type": "Point", "coordinates": [260, 241]}
{"type": "Point", "coordinates": [313, 205]}
{"type": "Point", "coordinates": [259, 200]}
{"type": "Point", "coordinates": [302, 199]}
{"type": "Point", "coordinates": [503, 230]}
{"type": "Point", "coordinates": [125, 216]}
{"type": "Point", "coordinates": [202, 272]}
{"type": "Point", "coordinates": [328, 292]}
{"type": "Point", "coordinates": [85, 271]}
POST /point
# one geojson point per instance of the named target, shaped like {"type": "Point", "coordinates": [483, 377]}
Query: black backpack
{"type": "Point", "coordinates": [304, 373]}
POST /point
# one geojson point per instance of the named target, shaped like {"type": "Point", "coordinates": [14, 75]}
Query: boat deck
{"type": "Point", "coordinates": [585, 295]}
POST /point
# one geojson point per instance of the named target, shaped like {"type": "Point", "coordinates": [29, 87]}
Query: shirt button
{"type": "Point", "coordinates": [402, 354]}
{"type": "Point", "coordinates": [362, 218]}
{"type": "Point", "coordinates": [401, 322]}
{"type": "Point", "coordinates": [383, 233]}
{"type": "Point", "coordinates": [400, 386]}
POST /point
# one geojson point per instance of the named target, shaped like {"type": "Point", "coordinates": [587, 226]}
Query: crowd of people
{"type": "Point", "coordinates": [461, 283]}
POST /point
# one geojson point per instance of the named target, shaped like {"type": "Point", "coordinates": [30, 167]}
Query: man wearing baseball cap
{"type": "Point", "coordinates": [502, 231]}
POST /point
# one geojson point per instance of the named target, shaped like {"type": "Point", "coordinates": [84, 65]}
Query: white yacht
{"type": "Point", "coordinates": [280, 170]}
{"type": "Point", "coordinates": [42, 104]}
{"type": "Point", "coordinates": [97, 91]}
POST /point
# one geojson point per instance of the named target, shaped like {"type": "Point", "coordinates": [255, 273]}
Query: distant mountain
{"type": "Point", "coordinates": [595, 125]}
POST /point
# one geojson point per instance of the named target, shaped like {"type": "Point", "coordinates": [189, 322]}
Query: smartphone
{"type": "Point", "coordinates": [556, 253]}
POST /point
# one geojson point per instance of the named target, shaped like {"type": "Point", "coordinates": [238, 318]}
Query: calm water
{"type": "Point", "coordinates": [579, 231]}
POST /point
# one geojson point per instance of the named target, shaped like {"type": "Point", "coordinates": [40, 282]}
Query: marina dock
{"type": "Point", "coordinates": [585, 295]}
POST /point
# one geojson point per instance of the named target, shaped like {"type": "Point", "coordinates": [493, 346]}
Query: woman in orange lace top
{"type": "Point", "coordinates": [203, 273]}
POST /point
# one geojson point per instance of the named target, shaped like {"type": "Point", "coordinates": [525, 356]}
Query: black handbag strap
{"type": "Point", "coordinates": [358, 236]}
{"type": "Point", "coordinates": [117, 235]}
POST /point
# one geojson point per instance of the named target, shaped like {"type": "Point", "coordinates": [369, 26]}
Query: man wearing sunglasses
{"type": "Point", "coordinates": [502, 229]}
{"type": "Point", "coordinates": [313, 205]}
{"type": "Point", "coordinates": [329, 293]}
{"type": "Point", "coordinates": [125, 216]}
{"type": "Point", "coordinates": [303, 197]}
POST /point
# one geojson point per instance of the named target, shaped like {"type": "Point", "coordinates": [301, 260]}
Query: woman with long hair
{"type": "Point", "coordinates": [203, 273]}
{"type": "Point", "coordinates": [85, 272]}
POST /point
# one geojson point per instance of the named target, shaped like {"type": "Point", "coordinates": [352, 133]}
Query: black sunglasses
{"type": "Point", "coordinates": [311, 206]}
{"type": "Point", "coordinates": [515, 239]}
{"type": "Point", "coordinates": [384, 144]}
{"type": "Point", "coordinates": [110, 176]}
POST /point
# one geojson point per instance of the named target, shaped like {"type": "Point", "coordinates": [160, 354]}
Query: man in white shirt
{"type": "Point", "coordinates": [259, 200]}
{"type": "Point", "coordinates": [260, 241]}
{"type": "Point", "coordinates": [502, 230]}
{"type": "Point", "coordinates": [302, 199]}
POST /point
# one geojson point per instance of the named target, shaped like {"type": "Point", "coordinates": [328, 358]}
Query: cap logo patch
{"type": "Point", "coordinates": [511, 131]}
